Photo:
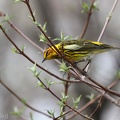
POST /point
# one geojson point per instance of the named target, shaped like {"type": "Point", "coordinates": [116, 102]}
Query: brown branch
{"type": "Point", "coordinates": [105, 25]}
{"type": "Point", "coordinates": [30, 41]}
{"type": "Point", "coordinates": [87, 21]}
{"type": "Point", "coordinates": [98, 105]}
{"type": "Point", "coordinates": [41, 30]}
{"type": "Point", "coordinates": [23, 35]}
{"type": "Point", "coordinates": [47, 88]}
{"type": "Point", "coordinates": [26, 104]}
{"type": "Point", "coordinates": [64, 114]}
{"type": "Point", "coordinates": [66, 86]}
{"type": "Point", "coordinates": [22, 53]}
{"type": "Point", "coordinates": [98, 84]}
{"type": "Point", "coordinates": [108, 20]}
{"type": "Point", "coordinates": [102, 96]}
{"type": "Point", "coordinates": [92, 101]}
{"type": "Point", "coordinates": [29, 7]}
{"type": "Point", "coordinates": [59, 53]}
{"type": "Point", "coordinates": [64, 57]}
{"type": "Point", "coordinates": [105, 89]}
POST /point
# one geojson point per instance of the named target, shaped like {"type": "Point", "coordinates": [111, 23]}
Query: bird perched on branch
{"type": "Point", "coordinates": [77, 50]}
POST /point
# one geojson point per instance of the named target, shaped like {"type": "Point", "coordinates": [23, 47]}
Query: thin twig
{"type": "Point", "coordinates": [22, 53]}
{"type": "Point", "coordinates": [39, 27]}
{"type": "Point", "coordinates": [66, 86]}
{"type": "Point", "coordinates": [87, 21]}
{"type": "Point", "coordinates": [105, 26]}
{"type": "Point", "coordinates": [23, 35]}
{"type": "Point", "coordinates": [29, 7]}
{"type": "Point", "coordinates": [26, 104]}
{"type": "Point", "coordinates": [59, 53]}
{"type": "Point", "coordinates": [98, 105]}
{"type": "Point", "coordinates": [64, 57]}
{"type": "Point", "coordinates": [108, 20]}
{"type": "Point", "coordinates": [102, 96]}
{"type": "Point", "coordinates": [47, 88]}
{"type": "Point", "coordinates": [70, 110]}
{"type": "Point", "coordinates": [92, 101]}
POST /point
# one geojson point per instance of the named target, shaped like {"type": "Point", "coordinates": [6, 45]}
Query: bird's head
{"type": "Point", "coordinates": [49, 54]}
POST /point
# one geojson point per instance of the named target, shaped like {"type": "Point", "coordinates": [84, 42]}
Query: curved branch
{"type": "Point", "coordinates": [26, 104]}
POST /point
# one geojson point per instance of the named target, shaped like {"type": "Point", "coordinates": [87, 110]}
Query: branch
{"type": "Point", "coordinates": [87, 21]}
{"type": "Point", "coordinates": [92, 101]}
{"type": "Point", "coordinates": [84, 116]}
{"type": "Point", "coordinates": [21, 100]}
{"type": "Point", "coordinates": [22, 53]}
{"type": "Point", "coordinates": [41, 30]}
{"type": "Point", "coordinates": [23, 35]}
{"type": "Point", "coordinates": [74, 66]}
{"type": "Point", "coordinates": [105, 26]}
{"type": "Point", "coordinates": [108, 20]}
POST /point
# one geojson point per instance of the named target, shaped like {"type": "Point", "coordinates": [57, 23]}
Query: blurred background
{"type": "Point", "coordinates": [65, 16]}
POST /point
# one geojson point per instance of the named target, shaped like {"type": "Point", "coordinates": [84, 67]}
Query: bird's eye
{"type": "Point", "coordinates": [46, 53]}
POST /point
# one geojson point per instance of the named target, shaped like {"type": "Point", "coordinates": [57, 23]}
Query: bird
{"type": "Point", "coordinates": [77, 50]}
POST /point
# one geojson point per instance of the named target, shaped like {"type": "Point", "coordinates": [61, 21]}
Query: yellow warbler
{"type": "Point", "coordinates": [76, 50]}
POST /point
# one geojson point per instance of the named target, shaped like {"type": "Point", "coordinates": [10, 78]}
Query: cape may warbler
{"type": "Point", "coordinates": [76, 50]}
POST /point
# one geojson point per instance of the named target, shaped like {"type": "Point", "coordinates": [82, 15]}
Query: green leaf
{"type": "Point", "coordinates": [42, 36]}
{"type": "Point", "coordinates": [23, 48]}
{"type": "Point", "coordinates": [76, 101]}
{"type": "Point", "coordinates": [51, 113]}
{"type": "Point", "coordinates": [61, 104]}
{"type": "Point", "coordinates": [109, 16]}
{"type": "Point", "coordinates": [118, 74]}
{"type": "Point", "coordinates": [63, 100]}
{"type": "Point", "coordinates": [23, 101]}
{"type": "Point", "coordinates": [91, 96]}
{"type": "Point", "coordinates": [17, 0]}
{"type": "Point", "coordinates": [14, 50]}
{"type": "Point", "coordinates": [44, 27]}
{"type": "Point", "coordinates": [30, 17]}
{"type": "Point", "coordinates": [31, 116]}
{"type": "Point", "coordinates": [85, 7]}
{"type": "Point", "coordinates": [59, 39]}
{"type": "Point", "coordinates": [16, 111]}
{"type": "Point", "coordinates": [34, 71]}
{"type": "Point", "coordinates": [64, 97]}
{"type": "Point", "coordinates": [68, 37]}
{"type": "Point", "coordinates": [39, 84]}
{"type": "Point", "coordinates": [49, 82]}
{"type": "Point", "coordinates": [36, 74]}
{"type": "Point", "coordinates": [7, 18]}
{"type": "Point", "coordinates": [63, 67]}
{"type": "Point", "coordinates": [95, 5]}
{"type": "Point", "coordinates": [36, 23]}
{"type": "Point", "coordinates": [63, 37]}
{"type": "Point", "coordinates": [34, 13]}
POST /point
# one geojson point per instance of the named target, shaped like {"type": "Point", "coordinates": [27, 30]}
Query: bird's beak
{"type": "Point", "coordinates": [43, 60]}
